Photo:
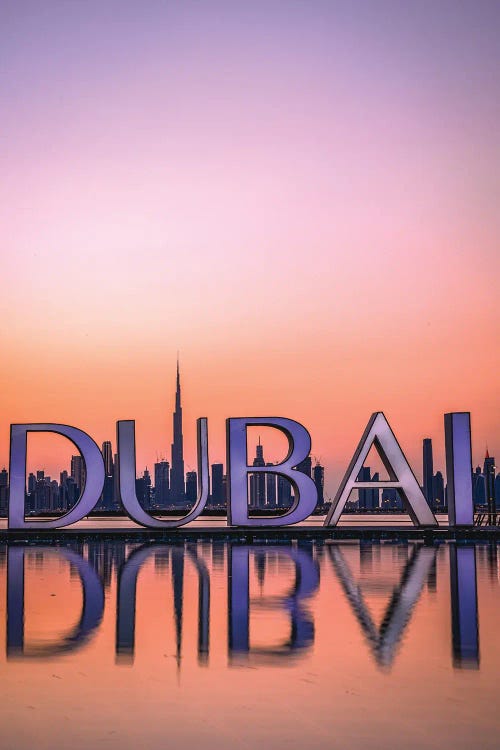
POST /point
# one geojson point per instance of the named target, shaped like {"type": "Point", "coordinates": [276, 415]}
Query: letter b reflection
{"type": "Point", "coordinates": [301, 623]}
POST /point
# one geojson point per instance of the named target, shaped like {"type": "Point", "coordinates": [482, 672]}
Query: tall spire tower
{"type": "Point", "coordinates": [177, 486]}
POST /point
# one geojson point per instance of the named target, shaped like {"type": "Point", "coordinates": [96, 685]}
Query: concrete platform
{"type": "Point", "coordinates": [360, 528]}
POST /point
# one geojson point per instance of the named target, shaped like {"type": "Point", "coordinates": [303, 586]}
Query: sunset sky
{"type": "Point", "coordinates": [300, 197]}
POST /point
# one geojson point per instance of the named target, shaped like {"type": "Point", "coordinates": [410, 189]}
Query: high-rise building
{"type": "Point", "coordinates": [177, 486]}
{"type": "Point", "coordinates": [162, 483]}
{"type": "Point", "coordinates": [68, 491]}
{"type": "Point", "coordinates": [364, 495]}
{"type": "Point", "coordinates": [147, 488]}
{"type": "Point", "coordinates": [116, 481]}
{"type": "Point", "coordinates": [217, 496]}
{"type": "Point", "coordinates": [258, 480]}
{"type": "Point", "coordinates": [478, 487]}
{"type": "Point", "coordinates": [42, 493]}
{"type": "Point", "coordinates": [54, 498]}
{"type": "Point", "coordinates": [107, 497]}
{"type": "Point", "coordinates": [368, 499]}
{"type": "Point", "coordinates": [271, 489]}
{"type": "Point", "coordinates": [78, 472]}
{"type": "Point", "coordinates": [4, 492]}
{"type": "Point", "coordinates": [107, 454]}
{"type": "Point", "coordinates": [319, 481]}
{"type": "Point", "coordinates": [31, 483]}
{"type": "Point", "coordinates": [284, 492]}
{"type": "Point", "coordinates": [438, 491]}
{"type": "Point", "coordinates": [428, 471]}
{"type": "Point", "coordinates": [374, 494]}
{"type": "Point", "coordinates": [191, 486]}
{"type": "Point", "coordinates": [489, 480]}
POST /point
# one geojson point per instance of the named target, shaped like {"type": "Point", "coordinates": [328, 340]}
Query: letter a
{"type": "Point", "coordinates": [402, 478]}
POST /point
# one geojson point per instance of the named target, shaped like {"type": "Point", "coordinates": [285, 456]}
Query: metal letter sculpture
{"type": "Point", "coordinates": [94, 475]}
{"type": "Point", "coordinates": [459, 468]}
{"type": "Point", "coordinates": [126, 453]}
{"type": "Point", "coordinates": [379, 434]}
{"type": "Point", "coordinates": [299, 443]}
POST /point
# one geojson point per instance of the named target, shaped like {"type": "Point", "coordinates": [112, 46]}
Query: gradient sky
{"type": "Point", "coordinates": [301, 197]}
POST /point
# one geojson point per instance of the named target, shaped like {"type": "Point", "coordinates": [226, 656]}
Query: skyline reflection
{"type": "Point", "coordinates": [269, 606]}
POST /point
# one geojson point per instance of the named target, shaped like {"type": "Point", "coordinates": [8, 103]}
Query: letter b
{"type": "Point", "coordinates": [299, 445]}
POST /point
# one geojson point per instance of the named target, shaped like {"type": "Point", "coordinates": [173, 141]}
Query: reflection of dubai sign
{"type": "Point", "coordinates": [308, 576]}
{"type": "Point", "coordinates": [378, 434]}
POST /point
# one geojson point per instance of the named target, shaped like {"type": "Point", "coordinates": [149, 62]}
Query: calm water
{"type": "Point", "coordinates": [222, 645]}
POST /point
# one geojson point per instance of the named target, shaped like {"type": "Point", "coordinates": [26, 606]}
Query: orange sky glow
{"type": "Point", "coordinates": [311, 223]}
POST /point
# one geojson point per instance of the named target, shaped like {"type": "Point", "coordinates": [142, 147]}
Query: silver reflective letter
{"type": "Point", "coordinates": [126, 461]}
{"type": "Point", "coordinates": [94, 475]}
{"type": "Point", "coordinates": [379, 434]}
{"type": "Point", "coordinates": [299, 445]}
{"type": "Point", "coordinates": [459, 468]}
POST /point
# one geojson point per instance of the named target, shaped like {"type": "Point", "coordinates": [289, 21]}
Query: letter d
{"type": "Point", "coordinates": [94, 469]}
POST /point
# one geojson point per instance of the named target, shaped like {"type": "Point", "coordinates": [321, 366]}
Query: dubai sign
{"type": "Point", "coordinates": [378, 433]}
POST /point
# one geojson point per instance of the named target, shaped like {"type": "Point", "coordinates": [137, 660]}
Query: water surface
{"type": "Point", "coordinates": [352, 645]}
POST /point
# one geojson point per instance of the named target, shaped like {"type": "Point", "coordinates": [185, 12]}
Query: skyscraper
{"type": "Point", "coordinates": [364, 495]}
{"type": "Point", "coordinates": [374, 494]}
{"type": "Point", "coordinates": [270, 489]}
{"type": "Point", "coordinates": [258, 480]}
{"type": "Point", "coordinates": [116, 481]}
{"type": "Point", "coordinates": [77, 472]}
{"type": "Point", "coordinates": [107, 454]}
{"type": "Point", "coordinates": [191, 486]}
{"type": "Point", "coordinates": [319, 481]}
{"type": "Point", "coordinates": [438, 491]}
{"type": "Point", "coordinates": [478, 487]}
{"type": "Point", "coordinates": [284, 492]}
{"type": "Point", "coordinates": [147, 487]}
{"type": "Point", "coordinates": [489, 480]}
{"type": "Point", "coordinates": [177, 486]}
{"type": "Point", "coordinates": [106, 499]}
{"type": "Point", "coordinates": [4, 491]}
{"type": "Point", "coordinates": [162, 483]}
{"type": "Point", "coordinates": [428, 471]}
{"type": "Point", "coordinates": [218, 496]}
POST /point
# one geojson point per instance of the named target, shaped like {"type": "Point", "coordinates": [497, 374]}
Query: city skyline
{"type": "Point", "coordinates": [170, 487]}
{"type": "Point", "coordinates": [292, 217]}
{"type": "Point", "coordinates": [239, 239]}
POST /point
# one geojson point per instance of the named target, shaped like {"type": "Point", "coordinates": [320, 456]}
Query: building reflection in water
{"type": "Point", "coordinates": [173, 557]}
{"type": "Point", "coordinates": [246, 568]}
{"type": "Point", "coordinates": [464, 618]}
{"type": "Point", "coordinates": [384, 640]}
{"type": "Point", "coordinates": [301, 625]}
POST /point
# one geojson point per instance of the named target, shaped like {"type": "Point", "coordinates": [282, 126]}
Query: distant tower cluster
{"type": "Point", "coordinates": [368, 499]}
{"type": "Point", "coordinates": [433, 484]}
{"type": "Point", "coordinates": [486, 484]}
{"type": "Point", "coordinates": [172, 489]}
{"type": "Point", "coordinates": [269, 491]}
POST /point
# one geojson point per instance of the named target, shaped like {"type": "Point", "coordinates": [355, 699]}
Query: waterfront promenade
{"type": "Point", "coordinates": [350, 526]}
